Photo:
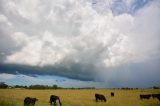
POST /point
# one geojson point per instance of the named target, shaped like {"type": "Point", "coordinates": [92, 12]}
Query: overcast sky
{"type": "Point", "coordinates": [102, 43]}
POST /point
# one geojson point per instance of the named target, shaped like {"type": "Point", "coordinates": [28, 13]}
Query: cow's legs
{"type": "Point", "coordinates": [96, 100]}
{"type": "Point", "coordinates": [51, 103]}
{"type": "Point", "coordinates": [54, 103]}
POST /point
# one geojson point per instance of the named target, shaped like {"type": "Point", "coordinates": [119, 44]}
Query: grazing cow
{"type": "Point", "coordinates": [100, 97]}
{"type": "Point", "coordinates": [53, 99]}
{"type": "Point", "coordinates": [112, 94]}
{"type": "Point", "coordinates": [147, 96]}
{"type": "Point", "coordinates": [28, 101]}
{"type": "Point", "coordinates": [156, 96]}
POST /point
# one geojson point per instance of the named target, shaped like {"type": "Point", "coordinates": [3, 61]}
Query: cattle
{"type": "Point", "coordinates": [146, 96]}
{"type": "Point", "coordinates": [100, 97]}
{"type": "Point", "coordinates": [53, 99]}
{"type": "Point", "coordinates": [156, 96]}
{"type": "Point", "coordinates": [112, 94]}
{"type": "Point", "coordinates": [28, 101]}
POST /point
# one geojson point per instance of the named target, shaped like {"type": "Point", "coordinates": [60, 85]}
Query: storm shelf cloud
{"type": "Point", "coordinates": [114, 42]}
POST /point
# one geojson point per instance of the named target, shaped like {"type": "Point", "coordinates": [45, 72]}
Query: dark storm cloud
{"type": "Point", "coordinates": [145, 74]}
{"type": "Point", "coordinates": [75, 71]}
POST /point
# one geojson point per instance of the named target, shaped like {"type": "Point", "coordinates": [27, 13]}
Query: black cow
{"type": "Point", "coordinates": [54, 98]}
{"type": "Point", "coordinates": [112, 94]}
{"type": "Point", "coordinates": [28, 101]}
{"type": "Point", "coordinates": [146, 96]}
{"type": "Point", "coordinates": [156, 96]}
{"type": "Point", "coordinates": [100, 97]}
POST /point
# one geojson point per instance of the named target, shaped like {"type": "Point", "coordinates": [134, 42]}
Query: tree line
{"type": "Point", "coordinates": [3, 85]}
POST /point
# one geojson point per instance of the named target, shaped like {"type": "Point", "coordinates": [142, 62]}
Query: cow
{"type": "Point", "coordinates": [156, 96]}
{"type": "Point", "coordinates": [28, 101]}
{"type": "Point", "coordinates": [53, 99]}
{"type": "Point", "coordinates": [146, 96]}
{"type": "Point", "coordinates": [100, 97]}
{"type": "Point", "coordinates": [112, 94]}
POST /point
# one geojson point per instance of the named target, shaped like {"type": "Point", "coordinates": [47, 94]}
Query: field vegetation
{"type": "Point", "coordinates": [82, 97]}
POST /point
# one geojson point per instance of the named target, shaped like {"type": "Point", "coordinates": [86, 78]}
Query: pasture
{"type": "Point", "coordinates": [84, 97]}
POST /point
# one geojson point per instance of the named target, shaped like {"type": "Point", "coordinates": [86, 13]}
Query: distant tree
{"type": "Point", "coordinates": [17, 86]}
{"type": "Point", "coordinates": [20, 86]}
{"type": "Point", "coordinates": [55, 87]}
{"type": "Point", "coordinates": [25, 87]}
{"type": "Point", "coordinates": [3, 85]}
{"type": "Point", "coordinates": [44, 87]}
{"type": "Point", "coordinates": [37, 87]}
{"type": "Point", "coordinates": [155, 87]}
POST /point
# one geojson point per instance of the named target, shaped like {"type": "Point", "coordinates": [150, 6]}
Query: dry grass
{"type": "Point", "coordinates": [81, 97]}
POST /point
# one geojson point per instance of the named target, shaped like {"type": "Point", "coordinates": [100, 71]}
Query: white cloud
{"type": "Point", "coordinates": [38, 50]}
{"type": "Point", "coordinates": [63, 33]}
{"type": "Point", "coordinates": [4, 19]}
{"type": "Point", "coordinates": [116, 33]}
{"type": "Point", "coordinates": [4, 76]}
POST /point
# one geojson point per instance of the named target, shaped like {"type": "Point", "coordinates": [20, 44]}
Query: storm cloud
{"type": "Point", "coordinates": [116, 42]}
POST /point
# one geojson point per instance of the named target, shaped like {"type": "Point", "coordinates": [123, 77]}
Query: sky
{"type": "Point", "coordinates": [80, 43]}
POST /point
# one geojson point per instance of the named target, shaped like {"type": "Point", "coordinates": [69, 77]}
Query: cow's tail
{"type": "Point", "coordinates": [59, 102]}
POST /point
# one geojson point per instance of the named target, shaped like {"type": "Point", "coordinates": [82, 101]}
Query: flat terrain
{"type": "Point", "coordinates": [80, 97]}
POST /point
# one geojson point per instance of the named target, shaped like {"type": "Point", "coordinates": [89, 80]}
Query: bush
{"type": "Point", "coordinates": [3, 85]}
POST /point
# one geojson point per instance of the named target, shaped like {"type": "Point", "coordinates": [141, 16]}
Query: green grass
{"type": "Point", "coordinates": [15, 97]}
{"type": "Point", "coordinates": [7, 102]}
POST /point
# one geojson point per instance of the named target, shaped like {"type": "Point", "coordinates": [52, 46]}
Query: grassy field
{"type": "Point", "coordinates": [15, 97]}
